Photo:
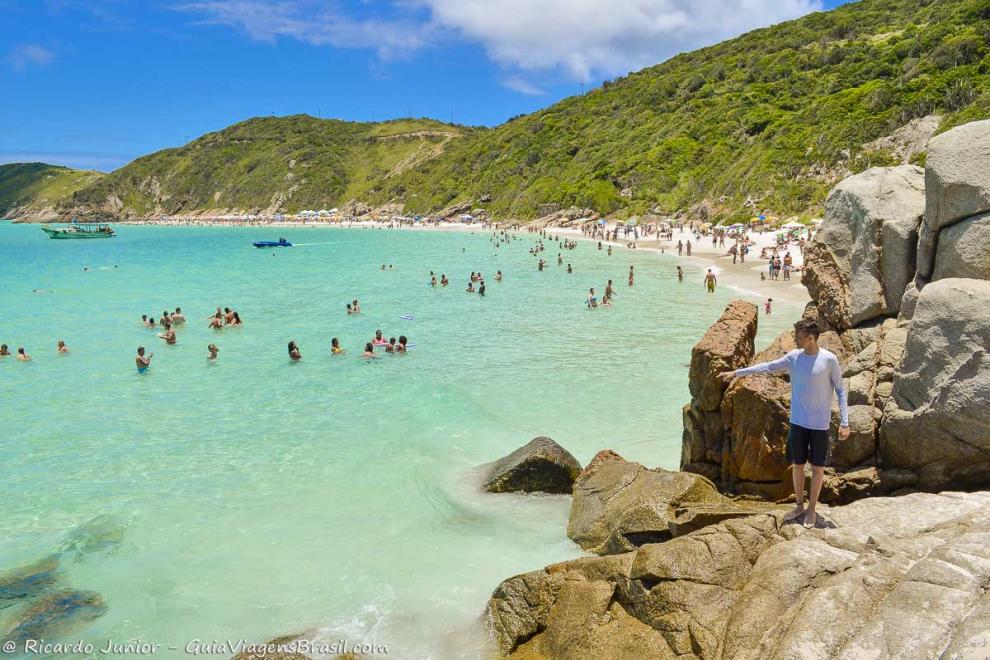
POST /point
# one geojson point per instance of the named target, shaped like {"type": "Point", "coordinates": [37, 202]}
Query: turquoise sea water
{"type": "Point", "coordinates": [254, 497]}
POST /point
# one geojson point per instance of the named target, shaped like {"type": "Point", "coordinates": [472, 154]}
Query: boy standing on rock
{"type": "Point", "coordinates": [815, 374]}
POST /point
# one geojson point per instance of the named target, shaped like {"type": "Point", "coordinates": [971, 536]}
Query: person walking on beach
{"type": "Point", "coordinates": [688, 247]}
{"type": "Point", "coordinates": [710, 281]}
{"type": "Point", "coordinates": [815, 373]}
{"type": "Point", "coordinates": [142, 361]}
{"type": "Point", "coordinates": [767, 305]}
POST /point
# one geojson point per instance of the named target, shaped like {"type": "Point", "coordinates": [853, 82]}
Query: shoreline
{"type": "Point", "coordinates": [745, 276]}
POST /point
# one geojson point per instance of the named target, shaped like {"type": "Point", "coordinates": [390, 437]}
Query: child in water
{"type": "Point", "coordinates": [214, 352]}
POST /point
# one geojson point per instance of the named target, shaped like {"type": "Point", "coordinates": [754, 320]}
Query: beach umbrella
{"type": "Point", "coordinates": [792, 225]}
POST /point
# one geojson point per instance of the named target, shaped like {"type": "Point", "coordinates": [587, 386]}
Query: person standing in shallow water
{"type": "Point", "coordinates": [815, 374]}
{"type": "Point", "coordinates": [142, 361]}
{"type": "Point", "coordinates": [294, 353]}
{"type": "Point", "coordinates": [710, 281]}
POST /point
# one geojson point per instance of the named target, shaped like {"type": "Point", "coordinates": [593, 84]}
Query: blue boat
{"type": "Point", "coordinates": [267, 244]}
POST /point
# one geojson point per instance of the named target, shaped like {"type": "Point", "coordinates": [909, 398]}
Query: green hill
{"type": "Point", "coordinates": [39, 186]}
{"type": "Point", "coordinates": [770, 120]}
{"type": "Point", "coordinates": [778, 114]}
{"type": "Point", "coordinates": [272, 163]}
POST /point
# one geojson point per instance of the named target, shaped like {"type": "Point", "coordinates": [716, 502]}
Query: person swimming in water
{"type": "Point", "coordinates": [228, 316]}
{"type": "Point", "coordinates": [680, 274]}
{"type": "Point", "coordinates": [569, 269]}
{"type": "Point", "coordinates": [214, 352]}
{"type": "Point", "coordinates": [294, 353]}
{"type": "Point", "coordinates": [142, 361]}
{"type": "Point", "coordinates": [335, 348]}
{"type": "Point", "coordinates": [216, 323]}
{"type": "Point", "coordinates": [169, 334]}
{"type": "Point", "coordinates": [498, 276]}
{"type": "Point", "coordinates": [390, 346]}
{"type": "Point", "coordinates": [433, 281]}
{"type": "Point", "coordinates": [401, 348]}
{"type": "Point", "coordinates": [369, 351]}
{"type": "Point", "coordinates": [22, 355]}
{"type": "Point", "coordinates": [356, 306]}
{"type": "Point", "coordinates": [60, 347]}
{"type": "Point", "coordinates": [470, 287]}
{"type": "Point", "coordinates": [592, 299]}
{"type": "Point", "coordinates": [4, 352]}
{"type": "Point", "coordinates": [481, 288]}
{"type": "Point", "coordinates": [378, 340]}
{"type": "Point", "coordinates": [443, 279]}
{"type": "Point", "coordinates": [237, 319]}
{"type": "Point", "coordinates": [178, 316]}
{"type": "Point", "coordinates": [150, 323]}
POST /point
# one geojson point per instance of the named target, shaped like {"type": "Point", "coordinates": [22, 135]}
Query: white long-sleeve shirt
{"type": "Point", "coordinates": [813, 379]}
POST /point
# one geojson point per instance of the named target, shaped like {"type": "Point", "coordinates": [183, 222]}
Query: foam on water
{"type": "Point", "coordinates": [263, 497]}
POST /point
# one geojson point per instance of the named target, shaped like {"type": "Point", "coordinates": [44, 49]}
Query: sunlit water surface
{"type": "Point", "coordinates": [254, 497]}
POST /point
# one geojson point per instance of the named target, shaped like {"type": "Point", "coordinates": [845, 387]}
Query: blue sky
{"type": "Point", "coordinates": [95, 83]}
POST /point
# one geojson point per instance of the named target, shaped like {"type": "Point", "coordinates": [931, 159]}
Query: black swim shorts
{"type": "Point", "coordinates": [807, 444]}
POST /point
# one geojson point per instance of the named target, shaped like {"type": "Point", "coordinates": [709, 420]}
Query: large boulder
{"type": "Point", "coordinates": [964, 249]}
{"type": "Point", "coordinates": [728, 344]}
{"type": "Point", "coordinates": [958, 183]}
{"type": "Point", "coordinates": [619, 505]}
{"type": "Point", "coordinates": [937, 423]}
{"type": "Point", "coordinates": [861, 260]}
{"type": "Point", "coordinates": [883, 578]}
{"type": "Point", "coordinates": [540, 466]}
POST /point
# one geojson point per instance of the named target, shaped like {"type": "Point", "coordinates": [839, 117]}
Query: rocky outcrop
{"type": "Point", "coordinates": [937, 421]}
{"type": "Point", "coordinates": [871, 219]}
{"type": "Point", "coordinates": [957, 181]}
{"type": "Point", "coordinates": [619, 505]}
{"type": "Point", "coordinates": [540, 466]}
{"type": "Point", "coordinates": [881, 578]}
{"type": "Point", "coordinates": [913, 347]}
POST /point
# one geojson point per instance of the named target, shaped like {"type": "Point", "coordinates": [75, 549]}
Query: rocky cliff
{"type": "Point", "coordinates": [899, 276]}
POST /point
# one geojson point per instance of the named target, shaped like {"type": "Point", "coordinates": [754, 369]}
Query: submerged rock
{"type": "Point", "coordinates": [881, 578]}
{"type": "Point", "coordinates": [56, 615]}
{"type": "Point", "coordinates": [28, 581]}
{"type": "Point", "coordinates": [100, 534]}
{"type": "Point", "coordinates": [540, 466]}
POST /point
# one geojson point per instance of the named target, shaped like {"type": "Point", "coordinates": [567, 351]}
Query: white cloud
{"type": "Point", "coordinates": [570, 39]}
{"type": "Point", "coordinates": [315, 23]}
{"type": "Point", "coordinates": [23, 56]}
{"type": "Point", "coordinates": [584, 38]}
{"type": "Point", "coordinates": [521, 85]}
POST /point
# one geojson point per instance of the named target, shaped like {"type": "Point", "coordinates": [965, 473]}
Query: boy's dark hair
{"type": "Point", "coordinates": [808, 326]}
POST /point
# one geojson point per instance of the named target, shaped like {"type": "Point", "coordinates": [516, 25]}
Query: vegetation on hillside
{"type": "Point", "coordinates": [765, 116]}
{"type": "Point", "coordinates": [770, 120]}
{"type": "Point", "coordinates": [39, 185]}
{"type": "Point", "coordinates": [277, 163]}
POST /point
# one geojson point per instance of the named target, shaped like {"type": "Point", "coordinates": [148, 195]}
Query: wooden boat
{"type": "Point", "coordinates": [79, 230]}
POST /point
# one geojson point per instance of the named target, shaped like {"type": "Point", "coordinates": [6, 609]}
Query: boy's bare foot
{"type": "Point", "coordinates": [794, 513]}
{"type": "Point", "coordinates": [810, 518]}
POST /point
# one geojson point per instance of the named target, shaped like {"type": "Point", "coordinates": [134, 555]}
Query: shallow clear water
{"type": "Point", "coordinates": [254, 497]}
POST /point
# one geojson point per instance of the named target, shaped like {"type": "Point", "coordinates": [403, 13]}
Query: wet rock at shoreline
{"type": "Point", "coordinates": [757, 587]}
{"type": "Point", "coordinates": [540, 466]}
